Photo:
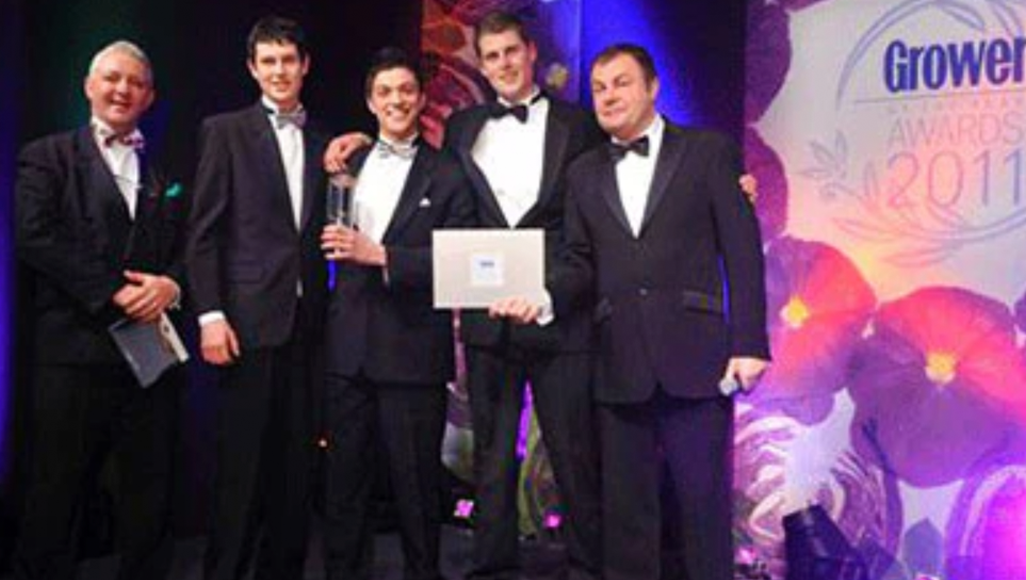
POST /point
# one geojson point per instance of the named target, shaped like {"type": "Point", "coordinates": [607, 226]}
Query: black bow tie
{"type": "Point", "coordinates": [497, 111]}
{"type": "Point", "coordinates": [619, 150]}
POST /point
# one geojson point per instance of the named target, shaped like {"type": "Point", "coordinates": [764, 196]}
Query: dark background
{"type": "Point", "coordinates": [198, 54]}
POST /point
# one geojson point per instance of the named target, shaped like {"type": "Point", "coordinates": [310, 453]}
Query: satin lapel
{"type": "Point", "coordinates": [311, 174]}
{"type": "Point", "coordinates": [98, 183]}
{"type": "Point", "coordinates": [606, 180]}
{"type": "Point", "coordinates": [466, 148]}
{"type": "Point", "coordinates": [151, 193]}
{"type": "Point", "coordinates": [670, 154]}
{"type": "Point", "coordinates": [557, 136]}
{"type": "Point", "coordinates": [417, 183]}
{"type": "Point", "coordinates": [269, 161]}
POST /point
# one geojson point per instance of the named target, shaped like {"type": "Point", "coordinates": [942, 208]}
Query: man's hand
{"type": "Point", "coordinates": [750, 186]}
{"type": "Point", "coordinates": [744, 371]}
{"type": "Point", "coordinates": [145, 296]}
{"type": "Point", "coordinates": [517, 309]}
{"type": "Point", "coordinates": [346, 244]}
{"type": "Point", "coordinates": [341, 148]}
{"type": "Point", "coordinates": [218, 343]}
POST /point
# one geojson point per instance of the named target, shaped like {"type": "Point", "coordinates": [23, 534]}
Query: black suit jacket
{"type": "Point", "coordinates": [384, 325]}
{"type": "Point", "coordinates": [661, 313]}
{"type": "Point", "coordinates": [570, 130]}
{"type": "Point", "coordinates": [245, 255]}
{"type": "Point", "coordinates": [75, 238]}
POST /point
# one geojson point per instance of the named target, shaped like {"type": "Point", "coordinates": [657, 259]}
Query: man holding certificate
{"type": "Point", "coordinates": [389, 353]}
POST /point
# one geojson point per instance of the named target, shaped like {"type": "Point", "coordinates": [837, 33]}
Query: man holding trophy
{"type": "Point", "coordinates": [389, 353]}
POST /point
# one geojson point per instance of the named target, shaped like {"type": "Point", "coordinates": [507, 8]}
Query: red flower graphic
{"type": "Point", "coordinates": [938, 386]}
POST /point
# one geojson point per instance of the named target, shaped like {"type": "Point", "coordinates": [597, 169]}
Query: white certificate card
{"type": "Point", "coordinates": [474, 268]}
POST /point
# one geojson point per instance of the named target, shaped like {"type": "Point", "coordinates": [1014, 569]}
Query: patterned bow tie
{"type": "Point", "coordinates": [402, 151]}
{"type": "Point", "coordinates": [133, 140]}
{"type": "Point", "coordinates": [497, 111]}
{"type": "Point", "coordinates": [619, 150]}
{"type": "Point", "coordinates": [296, 118]}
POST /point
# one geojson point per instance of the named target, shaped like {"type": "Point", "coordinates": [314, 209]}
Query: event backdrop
{"type": "Point", "coordinates": [888, 138]}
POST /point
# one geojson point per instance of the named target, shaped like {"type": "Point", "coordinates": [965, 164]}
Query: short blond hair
{"type": "Point", "coordinates": [123, 47]}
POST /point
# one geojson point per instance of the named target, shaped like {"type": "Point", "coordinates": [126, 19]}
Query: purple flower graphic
{"type": "Point", "coordinates": [818, 305]}
{"type": "Point", "coordinates": [764, 163]}
{"type": "Point", "coordinates": [767, 56]}
{"type": "Point", "coordinates": [938, 385]}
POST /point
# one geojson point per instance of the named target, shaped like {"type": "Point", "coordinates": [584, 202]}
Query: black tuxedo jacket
{"type": "Point", "coordinates": [570, 131]}
{"type": "Point", "coordinates": [245, 256]}
{"type": "Point", "coordinates": [383, 325]}
{"type": "Point", "coordinates": [75, 238]}
{"type": "Point", "coordinates": [662, 314]}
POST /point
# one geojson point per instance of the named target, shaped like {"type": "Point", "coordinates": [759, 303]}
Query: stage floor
{"type": "Point", "coordinates": [541, 559]}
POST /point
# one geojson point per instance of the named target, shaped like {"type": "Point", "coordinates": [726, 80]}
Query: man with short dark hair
{"type": "Point", "coordinates": [659, 232]}
{"type": "Point", "coordinates": [516, 150]}
{"type": "Point", "coordinates": [259, 284]}
{"type": "Point", "coordinates": [98, 236]}
{"type": "Point", "coordinates": [389, 353]}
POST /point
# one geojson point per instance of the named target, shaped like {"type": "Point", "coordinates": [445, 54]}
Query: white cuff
{"type": "Point", "coordinates": [212, 316]}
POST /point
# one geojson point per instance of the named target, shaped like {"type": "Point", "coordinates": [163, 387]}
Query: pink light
{"type": "Point", "coordinates": [464, 507]}
{"type": "Point", "coordinates": [553, 520]}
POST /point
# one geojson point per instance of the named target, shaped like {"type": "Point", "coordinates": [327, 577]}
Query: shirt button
{"type": "Point", "coordinates": [642, 292]}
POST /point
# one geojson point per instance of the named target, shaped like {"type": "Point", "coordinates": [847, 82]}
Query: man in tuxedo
{"type": "Point", "coordinates": [98, 240]}
{"type": "Point", "coordinates": [516, 150]}
{"type": "Point", "coordinates": [259, 284]}
{"type": "Point", "coordinates": [659, 232]}
{"type": "Point", "coordinates": [389, 353]}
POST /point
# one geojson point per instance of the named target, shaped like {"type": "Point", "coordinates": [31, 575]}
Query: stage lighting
{"type": "Point", "coordinates": [817, 549]}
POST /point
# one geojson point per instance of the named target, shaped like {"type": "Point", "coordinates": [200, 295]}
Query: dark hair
{"type": "Point", "coordinates": [389, 58]}
{"type": "Point", "coordinates": [277, 30]}
{"type": "Point", "coordinates": [497, 22]}
{"type": "Point", "coordinates": [639, 54]}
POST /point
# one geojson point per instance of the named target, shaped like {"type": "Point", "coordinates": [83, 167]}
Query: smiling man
{"type": "Point", "coordinates": [659, 232]}
{"type": "Point", "coordinates": [389, 352]}
{"type": "Point", "coordinates": [259, 284]}
{"type": "Point", "coordinates": [98, 238]}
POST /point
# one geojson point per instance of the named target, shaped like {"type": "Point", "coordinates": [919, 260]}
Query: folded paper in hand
{"type": "Point", "coordinates": [150, 348]}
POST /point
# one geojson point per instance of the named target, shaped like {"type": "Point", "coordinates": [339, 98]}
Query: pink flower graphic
{"type": "Point", "coordinates": [818, 306]}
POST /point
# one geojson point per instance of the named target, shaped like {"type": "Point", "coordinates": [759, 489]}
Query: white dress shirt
{"type": "Point", "coordinates": [122, 161]}
{"type": "Point", "coordinates": [634, 175]}
{"type": "Point", "coordinates": [511, 156]}
{"type": "Point", "coordinates": [379, 186]}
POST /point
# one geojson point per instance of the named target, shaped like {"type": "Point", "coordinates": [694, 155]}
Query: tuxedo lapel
{"type": "Point", "coordinates": [417, 183]}
{"type": "Point", "coordinates": [670, 153]}
{"type": "Point", "coordinates": [270, 161]}
{"type": "Point", "coordinates": [606, 180]}
{"type": "Point", "coordinates": [557, 138]}
{"type": "Point", "coordinates": [465, 151]}
{"type": "Point", "coordinates": [311, 170]}
{"type": "Point", "coordinates": [98, 183]}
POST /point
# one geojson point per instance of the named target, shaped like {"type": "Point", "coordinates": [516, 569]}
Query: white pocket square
{"type": "Point", "coordinates": [425, 202]}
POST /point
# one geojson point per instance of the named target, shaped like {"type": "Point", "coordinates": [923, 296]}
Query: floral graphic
{"type": "Point", "coordinates": [941, 363]}
{"type": "Point", "coordinates": [764, 163]}
{"type": "Point", "coordinates": [985, 536]}
{"type": "Point", "coordinates": [768, 56]}
{"type": "Point", "coordinates": [818, 306]}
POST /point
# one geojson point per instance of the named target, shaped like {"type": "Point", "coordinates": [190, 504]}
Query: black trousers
{"type": "Point", "coordinates": [691, 440]}
{"type": "Point", "coordinates": [83, 416]}
{"type": "Point", "coordinates": [407, 422]}
{"type": "Point", "coordinates": [561, 386]}
{"type": "Point", "coordinates": [265, 448]}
